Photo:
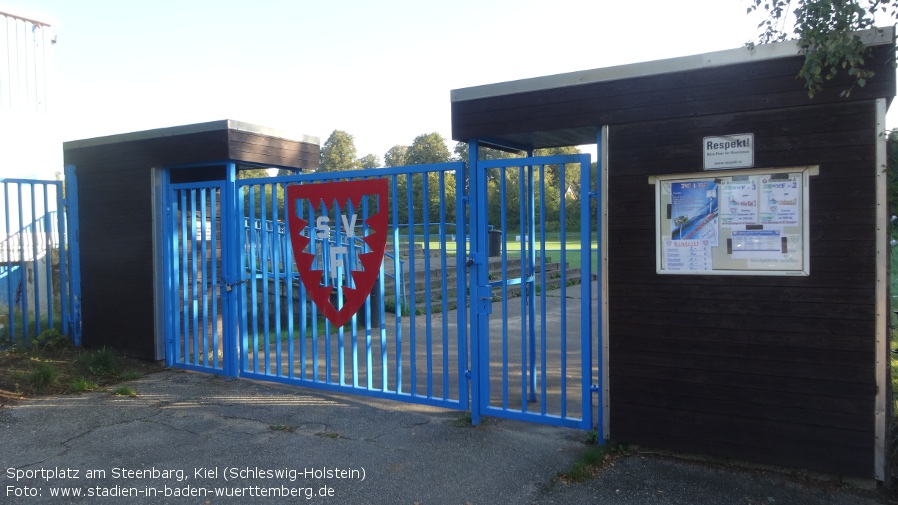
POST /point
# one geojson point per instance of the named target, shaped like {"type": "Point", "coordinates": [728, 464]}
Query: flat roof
{"type": "Point", "coordinates": [224, 124]}
{"type": "Point", "coordinates": [872, 37]}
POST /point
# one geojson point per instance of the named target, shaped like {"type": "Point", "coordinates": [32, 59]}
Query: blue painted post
{"type": "Point", "coordinates": [412, 355]}
{"type": "Point", "coordinates": [445, 284]}
{"type": "Point", "coordinates": [73, 314]}
{"type": "Point", "coordinates": [34, 259]}
{"type": "Point", "coordinates": [194, 284]}
{"type": "Point", "coordinates": [48, 248]}
{"type": "Point", "coordinates": [10, 300]}
{"type": "Point", "coordinates": [169, 257]}
{"type": "Point", "coordinates": [585, 291]}
{"type": "Point", "coordinates": [214, 276]}
{"type": "Point", "coordinates": [204, 266]}
{"type": "Point", "coordinates": [600, 418]}
{"type": "Point", "coordinates": [479, 326]}
{"type": "Point", "coordinates": [461, 295]}
{"type": "Point", "coordinates": [276, 275]}
{"type": "Point", "coordinates": [22, 268]}
{"type": "Point", "coordinates": [531, 284]}
{"type": "Point", "coordinates": [230, 230]}
{"type": "Point", "coordinates": [264, 274]}
{"type": "Point", "coordinates": [63, 260]}
{"type": "Point", "coordinates": [542, 292]}
{"type": "Point", "coordinates": [563, 299]}
{"type": "Point", "coordinates": [503, 226]}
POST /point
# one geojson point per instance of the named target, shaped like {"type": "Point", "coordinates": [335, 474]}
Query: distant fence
{"type": "Point", "coordinates": [38, 286]}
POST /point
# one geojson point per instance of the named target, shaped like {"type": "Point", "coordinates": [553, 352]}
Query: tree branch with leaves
{"type": "Point", "coordinates": [827, 35]}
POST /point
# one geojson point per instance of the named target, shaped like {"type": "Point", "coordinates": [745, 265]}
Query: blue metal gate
{"type": "Point", "coordinates": [199, 305]}
{"type": "Point", "coordinates": [237, 303]}
{"type": "Point", "coordinates": [39, 263]}
{"type": "Point", "coordinates": [532, 310]}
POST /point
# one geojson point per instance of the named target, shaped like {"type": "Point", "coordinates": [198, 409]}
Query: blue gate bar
{"type": "Point", "coordinates": [562, 209]}
{"type": "Point", "coordinates": [586, 291]}
{"type": "Point", "coordinates": [413, 299]}
{"type": "Point", "coordinates": [531, 276]}
{"type": "Point", "coordinates": [503, 191]}
{"type": "Point", "coordinates": [542, 292]}
{"type": "Point", "coordinates": [425, 207]}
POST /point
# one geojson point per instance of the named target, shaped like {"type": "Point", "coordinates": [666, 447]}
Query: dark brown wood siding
{"type": "Point", "coordinates": [116, 221]}
{"type": "Point", "coordinates": [772, 369]}
{"type": "Point", "coordinates": [255, 148]}
{"type": "Point", "coordinates": [776, 370]}
{"type": "Point", "coordinates": [570, 115]}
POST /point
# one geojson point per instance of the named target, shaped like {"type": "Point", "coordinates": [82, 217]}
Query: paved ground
{"type": "Point", "coordinates": [190, 436]}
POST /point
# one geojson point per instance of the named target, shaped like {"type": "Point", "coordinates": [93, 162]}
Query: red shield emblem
{"type": "Point", "coordinates": [335, 259]}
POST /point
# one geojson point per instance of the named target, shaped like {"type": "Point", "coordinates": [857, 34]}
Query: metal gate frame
{"type": "Point", "coordinates": [256, 335]}
{"type": "Point", "coordinates": [532, 270]}
{"type": "Point", "coordinates": [249, 283]}
{"type": "Point", "coordinates": [357, 367]}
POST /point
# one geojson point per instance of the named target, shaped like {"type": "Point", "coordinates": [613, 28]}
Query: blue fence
{"type": "Point", "coordinates": [39, 281]}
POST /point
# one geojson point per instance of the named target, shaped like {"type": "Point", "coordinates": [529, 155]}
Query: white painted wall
{"type": "Point", "coordinates": [30, 142]}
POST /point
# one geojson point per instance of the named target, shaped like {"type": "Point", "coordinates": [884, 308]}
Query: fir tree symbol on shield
{"type": "Point", "coordinates": [331, 263]}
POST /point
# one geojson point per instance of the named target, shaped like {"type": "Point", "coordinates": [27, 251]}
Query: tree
{"type": "Point", "coordinates": [338, 153]}
{"type": "Point", "coordinates": [369, 161]}
{"type": "Point", "coordinates": [425, 149]}
{"type": "Point", "coordinates": [826, 31]}
{"type": "Point", "coordinates": [428, 148]}
{"type": "Point", "coordinates": [396, 156]}
{"type": "Point", "coordinates": [483, 153]}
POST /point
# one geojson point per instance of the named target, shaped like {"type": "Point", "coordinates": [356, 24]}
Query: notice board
{"type": "Point", "coordinates": [743, 222]}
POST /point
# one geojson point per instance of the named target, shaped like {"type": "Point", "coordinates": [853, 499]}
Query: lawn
{"type": "Point", "coordinates": [51, 364]}
{"type": "Point", "coordinates": [552, 247]}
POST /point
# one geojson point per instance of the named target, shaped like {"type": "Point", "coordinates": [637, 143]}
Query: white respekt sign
{"type": "Point", "coordinates": [729, 151]}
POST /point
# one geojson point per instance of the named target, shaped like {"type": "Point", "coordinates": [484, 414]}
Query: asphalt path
{"type": "Point", "coordinates": [200, 439]}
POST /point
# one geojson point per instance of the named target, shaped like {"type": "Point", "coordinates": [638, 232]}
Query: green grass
{"type": "Point", "coordinates": [102, 362]}
{"type": "Point", "coordinates": [50, 364]}
{"type": "Point", "coordinates": [553, 248]}
{"type": "Point", "coordinates": [82, 385]}
{"type": "Point", "coordinates": [130, 375]}
{"type": "Point", "coordinates": [591, 461]}
{"type": "Point", "coordinates": [124, 391]}
{"type": "Point", "coordinates": [43, 376]}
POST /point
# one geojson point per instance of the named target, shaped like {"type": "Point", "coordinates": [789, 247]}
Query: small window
{"type": "Point", "coordinates": [747, 222]}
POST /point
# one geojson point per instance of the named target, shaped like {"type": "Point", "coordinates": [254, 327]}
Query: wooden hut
{"type": "Point", "coordinates": [119, 186]}
{"type": "Point", "coordinates": [784, 364]}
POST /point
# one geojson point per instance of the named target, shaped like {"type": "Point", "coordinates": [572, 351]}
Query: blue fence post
{"type": "Point", "coordinates": [73, 314]}
{"type": "Point", "coordinates": [597, 196]}
{"type": "Point", "coordinates": [230, 228]}
{"type": "Point", "coordinates": [477, 275]}
{"type": "Point", "coordinates": [585, 290]}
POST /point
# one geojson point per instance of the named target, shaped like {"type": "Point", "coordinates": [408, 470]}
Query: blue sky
{"type": "Point", "coordinates": [381, 70]}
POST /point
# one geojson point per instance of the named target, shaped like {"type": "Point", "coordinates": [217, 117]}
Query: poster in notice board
{"type": "Point", "coordinates": [747, 222]}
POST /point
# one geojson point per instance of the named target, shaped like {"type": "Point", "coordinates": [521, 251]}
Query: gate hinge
{"type": "Point", "coordinates": [593, 194]}
{"type": "Point", "coordinates": [468, 374]}
{"type": "Point", "coordinates": [466, 199]}
{"type": "Point", "coordinates": [594, 388]}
